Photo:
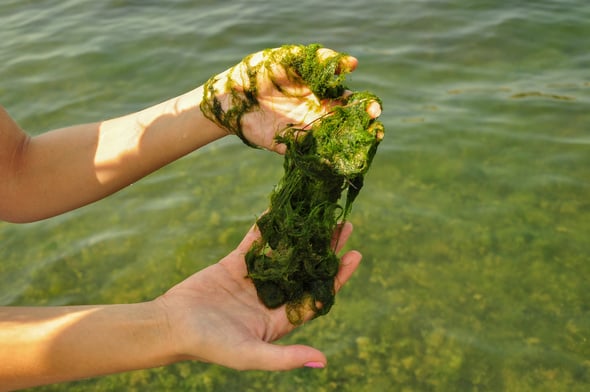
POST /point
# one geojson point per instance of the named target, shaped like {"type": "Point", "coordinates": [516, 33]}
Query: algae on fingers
{"type": "Point", "coordinates": [230, 96]}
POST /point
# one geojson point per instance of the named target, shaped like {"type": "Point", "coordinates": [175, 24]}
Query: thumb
{"type": "Point", "coordinates": [251, 236]}
{"type": "Point", "coordinates": [268, 356]}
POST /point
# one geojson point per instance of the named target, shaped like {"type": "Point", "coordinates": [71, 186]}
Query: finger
{"type": "Point", "coordinates": [346, 64]}
{"type": "Point", "coordinates": [268, 356]}
{"type": "Point", "coordinates": [374, 109]}
{"type": "Point", "coordinates": [251, 236]}
{"type": "Point", "coordinates": [348, 264]}
{"type": "Point", "coordinates": [376, 129]}
{"type": "Point", "coordinates": [280, 149]}
{"type": "Point", "coordinates": [341, 235]}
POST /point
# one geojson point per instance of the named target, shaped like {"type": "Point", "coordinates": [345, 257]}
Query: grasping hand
{"type": "Point", "coordinates": [262, 96]}
{"type": "Point", "coordinates": [215, 315]}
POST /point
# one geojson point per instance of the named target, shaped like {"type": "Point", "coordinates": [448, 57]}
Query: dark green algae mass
{"type": "Point", "coordinates": [294, 263]}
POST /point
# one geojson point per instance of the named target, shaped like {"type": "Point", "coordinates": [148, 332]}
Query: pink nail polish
{"type": "Point", "coordinates": [315, 365]}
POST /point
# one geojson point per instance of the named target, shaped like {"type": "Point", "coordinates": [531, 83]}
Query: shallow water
{"type": "Point", "coordinates": [474, 222]}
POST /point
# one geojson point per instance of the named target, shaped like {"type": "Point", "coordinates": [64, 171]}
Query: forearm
{"type": "Point", "coordinates": [54, 344]}
{"type": "Point", "coordinates": [74, 166]}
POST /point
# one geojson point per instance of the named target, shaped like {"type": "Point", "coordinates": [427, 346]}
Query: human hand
{"type": "Point", "coordinates": [264, 95]}
{"type": "Point", "coordinates": [215, 315]}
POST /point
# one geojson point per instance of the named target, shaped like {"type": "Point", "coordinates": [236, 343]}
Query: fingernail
{"type": "Point", "coordinates": [315, 365]}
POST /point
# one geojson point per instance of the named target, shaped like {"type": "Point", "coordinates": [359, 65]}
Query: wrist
{"type": "Point", "coordinates": [170, 347]}
{"type": "Point", "coordinates": [152, 334]}
{"type": "Point", "coordinates": [193, 127]}
{"type": "Point", "coordinates": [229, 96]}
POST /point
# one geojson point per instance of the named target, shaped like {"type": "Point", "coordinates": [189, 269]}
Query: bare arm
{"type": "Point", "coordinates": [64, 169]}
{"type": "Point", "coordinates": [212, 316]}
{"type": "Point", "coordinates": [45, 345]}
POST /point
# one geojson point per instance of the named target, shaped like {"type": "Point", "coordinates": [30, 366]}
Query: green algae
{"type": "Point", "coordinates": [294, 263]}
{"type": "Point", "coordinates": [325, 77]}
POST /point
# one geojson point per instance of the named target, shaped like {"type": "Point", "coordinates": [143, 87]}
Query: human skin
{"type": "Point", "coordinates": [212, 316]}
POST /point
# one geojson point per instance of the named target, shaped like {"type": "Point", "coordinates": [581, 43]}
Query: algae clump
{"type": "Point", "coordinates": [294, 263]}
